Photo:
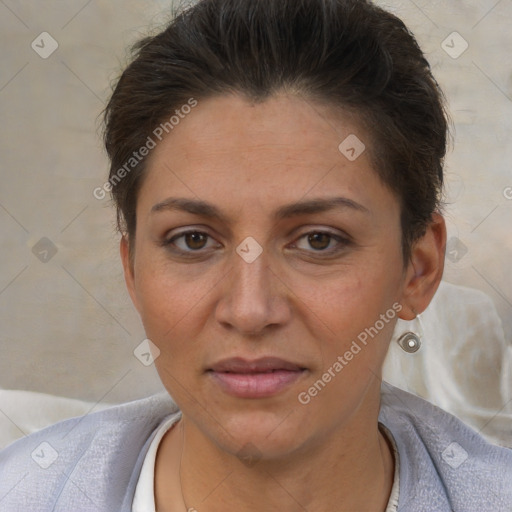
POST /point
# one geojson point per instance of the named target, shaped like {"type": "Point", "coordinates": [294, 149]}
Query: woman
{"type": "Point", "coordinates": [277, 167]}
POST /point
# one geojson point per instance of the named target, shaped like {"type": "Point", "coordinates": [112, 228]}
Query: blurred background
{"type": "Point", "coordinates": [68, 327]}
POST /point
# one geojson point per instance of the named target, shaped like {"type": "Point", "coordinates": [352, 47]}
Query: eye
{"type": "Point", "coordinates": [194, 241]}
{"type": "Point", "coordinates": [189, 241]}
{"type": "Point", "coordinates": [323, 241]}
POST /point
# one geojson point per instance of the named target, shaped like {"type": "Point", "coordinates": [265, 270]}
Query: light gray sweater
{"type": "Point", "coordinates": [92, 463]}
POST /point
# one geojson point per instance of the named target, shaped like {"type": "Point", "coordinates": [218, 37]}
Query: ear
{"type": "Point", "coordinates": [425, 269]}
{"type": "Point", "coordinates": [129, 271]}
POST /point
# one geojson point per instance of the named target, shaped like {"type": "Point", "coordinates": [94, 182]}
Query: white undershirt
{"type": "Point", "coordinates": [144, 499]}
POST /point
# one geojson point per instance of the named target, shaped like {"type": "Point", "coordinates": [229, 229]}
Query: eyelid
{"type": "Point", "coordinates": [187, 231]}
{"type": "Point", "coordinates": [169, 242]}
{"type": "Point", "coordinates": [309, 229]}
{"type": "Point", "coordinates": [322, 229]}
{"type": "Point", "coordinates": [343, 240]}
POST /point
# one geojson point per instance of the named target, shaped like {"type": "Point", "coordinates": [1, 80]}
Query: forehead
{"type": "Point", "coordinates": [275, 151]}
{"type": "Point", "coordinates": [285, 125]}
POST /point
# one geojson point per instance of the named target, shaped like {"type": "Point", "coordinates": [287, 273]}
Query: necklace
{"type": "Point", "coordinates": [187, 509]}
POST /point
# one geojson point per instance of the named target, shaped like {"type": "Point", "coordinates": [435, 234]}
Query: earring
{"type": "Point", "coordinates": [410, 342]}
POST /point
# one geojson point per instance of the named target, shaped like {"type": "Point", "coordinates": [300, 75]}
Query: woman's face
{"type": "Point", "coordinates": [296, 257]}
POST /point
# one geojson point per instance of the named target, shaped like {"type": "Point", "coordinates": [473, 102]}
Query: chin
{"type": "Point", "coordinates": [259, 434]}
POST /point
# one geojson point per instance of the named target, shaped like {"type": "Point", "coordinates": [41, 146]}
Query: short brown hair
{"type": "Point", "coordinates": [346, 53]}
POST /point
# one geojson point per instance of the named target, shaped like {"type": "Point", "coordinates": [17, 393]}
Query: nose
{"type": "Point", "coordinates": [253, 297]}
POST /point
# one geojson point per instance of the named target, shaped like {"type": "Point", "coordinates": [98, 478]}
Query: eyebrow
{"type": "Point", "coordinates": [310, 206]}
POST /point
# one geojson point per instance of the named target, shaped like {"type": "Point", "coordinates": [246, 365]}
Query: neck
{"type": "Point", "coordinates": [342, 471]}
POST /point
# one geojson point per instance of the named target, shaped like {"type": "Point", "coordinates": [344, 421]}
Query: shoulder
{"type": "Point", "coordinates": [84, 463]}
{"type": "Point", "coordinates": [444, 464]}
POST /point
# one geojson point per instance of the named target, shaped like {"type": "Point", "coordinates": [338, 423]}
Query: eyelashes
{"type": "Point", "coordinates": [188, 236]}
{"type": "Point", "coordinates": [311, 237]}
{"type": "Point", "coordinates": [316, 242]}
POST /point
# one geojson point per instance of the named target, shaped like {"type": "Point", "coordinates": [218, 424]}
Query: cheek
{"type": "Point", "coordinates": [352, 339]}
{"type": "Point", "coordinates": [351, 314]}
{"type": "Point", "coordinates": [175, 306]}
{"type": "Point", "coordinates": [348, 300]}
{"type": "Point", "coordinates": [164, 308]}
{"type": "Point", "coordinates": [169, 313]}
{"type": "Point", "coordinates": [166, 295]}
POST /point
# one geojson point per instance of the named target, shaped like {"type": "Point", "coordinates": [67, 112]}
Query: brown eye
{"type": "Point", "coordinates": [322, 242]}
{"type": "Point", "coordinates": [195, 240]}
{"type": "Point", "coordinates": [189, 242]}
{"type": "Point", "coordinates": [319, 241]}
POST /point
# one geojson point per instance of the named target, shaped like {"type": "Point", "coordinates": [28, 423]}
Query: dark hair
{"type": "Point", "coordinates": [349, 54]}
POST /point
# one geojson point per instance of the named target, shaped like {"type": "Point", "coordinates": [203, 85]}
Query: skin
{"type": "Point", "coordinates": [291, 302]}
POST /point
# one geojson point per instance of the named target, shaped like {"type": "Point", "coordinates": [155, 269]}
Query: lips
{"type": "Point", "coordinates": [259, 378]}
{"type": "Point", "coordinates": [263, 365]}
